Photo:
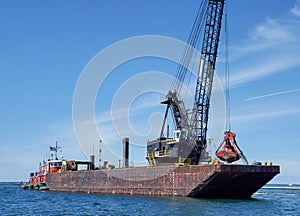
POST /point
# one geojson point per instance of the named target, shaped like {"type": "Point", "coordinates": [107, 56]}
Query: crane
{"type": "Point", "coordinates": [188, 144]}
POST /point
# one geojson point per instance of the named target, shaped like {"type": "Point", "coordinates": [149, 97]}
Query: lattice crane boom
{"type": "Point", "coordinates": [212, 29]}
{"type": "Point", "coordinates": [191, 142]}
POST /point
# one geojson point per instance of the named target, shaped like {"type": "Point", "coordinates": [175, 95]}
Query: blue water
{"type": "Point", "coordinates": [15, 201]}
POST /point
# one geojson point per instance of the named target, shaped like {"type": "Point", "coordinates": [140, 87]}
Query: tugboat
{"type": "Point", "coordinates": [37, 180]}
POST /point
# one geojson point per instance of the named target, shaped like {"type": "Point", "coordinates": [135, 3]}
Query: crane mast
{"type": "Point", "coordinates": [189, 140]}
{"type": "Point", "coordinates": [204, 83]}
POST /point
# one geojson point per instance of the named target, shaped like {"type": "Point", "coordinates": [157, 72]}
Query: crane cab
{"type": "Point", "coordinates": [164, 151]}
{"type": "Point", "coordinates": [176, 135]}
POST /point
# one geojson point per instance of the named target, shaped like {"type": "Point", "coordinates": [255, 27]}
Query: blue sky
{"type": "Point", "coordinates": [45, 46]}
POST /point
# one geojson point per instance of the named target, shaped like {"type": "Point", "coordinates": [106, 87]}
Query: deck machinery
{"type": "Point", "coordinates": [189, 141]}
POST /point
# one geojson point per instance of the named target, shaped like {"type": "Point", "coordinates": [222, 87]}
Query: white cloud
{"type": "Point", "coordinates": [271, 47]}
{"type": "Point", "coordinates": [272, 29]}
{"type": "Point", "coordinates": [64, 133]}
{"type": "Point", "coordinates": [271, 94]}
{"type": "Point", "coordinates": [296, 9]}
{"type": "Point", "coordinates": [20, 159]}
{"type": "Point", "coordinates": [122, 112]}
{"type": "Point", "coordinates": [270, 34]}
{"type": "Point", "coordinates": [254, 117]}
{"type": "Point", "coordinates": [138, 120]}
{"type": "Point", "coordinates": [264, 68]}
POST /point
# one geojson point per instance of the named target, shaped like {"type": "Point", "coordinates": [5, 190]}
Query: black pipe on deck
{"type": "Point", "coordinates": [92, 160]}
{"type": "Point", "coordinates": [125, 152]}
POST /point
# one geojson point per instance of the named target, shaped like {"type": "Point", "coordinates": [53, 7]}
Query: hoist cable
{"type": "Point", "coordinates": [227, 83]}
{"type": "Point", "coordinates": [189, 50]}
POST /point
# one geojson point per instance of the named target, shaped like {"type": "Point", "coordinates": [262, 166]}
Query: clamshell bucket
{"type": "Point", "coordinates": [228, 149]}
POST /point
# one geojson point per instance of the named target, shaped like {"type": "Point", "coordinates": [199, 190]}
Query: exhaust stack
{"type": "Point", "coordinates": [92, 160]}
{"type": "Point", "coordinates": [125, 152]}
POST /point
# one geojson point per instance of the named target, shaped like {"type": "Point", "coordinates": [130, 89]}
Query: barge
{"type": "Point", "coordinates": [200, 181]}
{"type": "Point", "coordinates": [213, 180]}
{"type": "Point", "coordinates": [178, 165]}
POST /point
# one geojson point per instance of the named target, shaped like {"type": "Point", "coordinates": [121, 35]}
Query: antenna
{"type": "Point", "coordinates": [168, 131]}
{"type": "Point", "coordinates": [100, 150]}
{"type": "Point", "coordinates": [56, 158]}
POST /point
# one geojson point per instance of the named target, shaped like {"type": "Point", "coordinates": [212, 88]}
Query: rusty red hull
{"type": "Point", "coordinates": [205, 181]}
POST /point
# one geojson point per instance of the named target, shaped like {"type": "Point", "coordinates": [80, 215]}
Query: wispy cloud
{"type": "Point", "coordinates": [272, 94]}
{"type": "Point", "coordinates": [271, 33]}
{"type": "Point", "coordinates": [296, 9]}
{"type": "Point", "coordinates": [138, 120]}
{"type": "Point", "coordinates": [270, 47]}
{"type": "Point", "coordinates": [26, 157]}
{"type": "Point", "coordinates": [122, 112]}
{"type": "Point", "coordinates": [264, 68]}
{"type": "Point", "coordinates": [272, 29]}
{"type": "Point", "coordinates": [263, 115]}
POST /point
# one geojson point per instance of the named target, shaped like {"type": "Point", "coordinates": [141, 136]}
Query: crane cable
{"type": "Point", "coordinates": [192, 42]}
{"type": "Point", "coordinates": [227, 84]}
{"type": "Point", "coordinates": [227, 96]}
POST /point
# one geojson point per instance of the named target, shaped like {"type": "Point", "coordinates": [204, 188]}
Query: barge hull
{"type": "Point", "coordinates": [203, 181]}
